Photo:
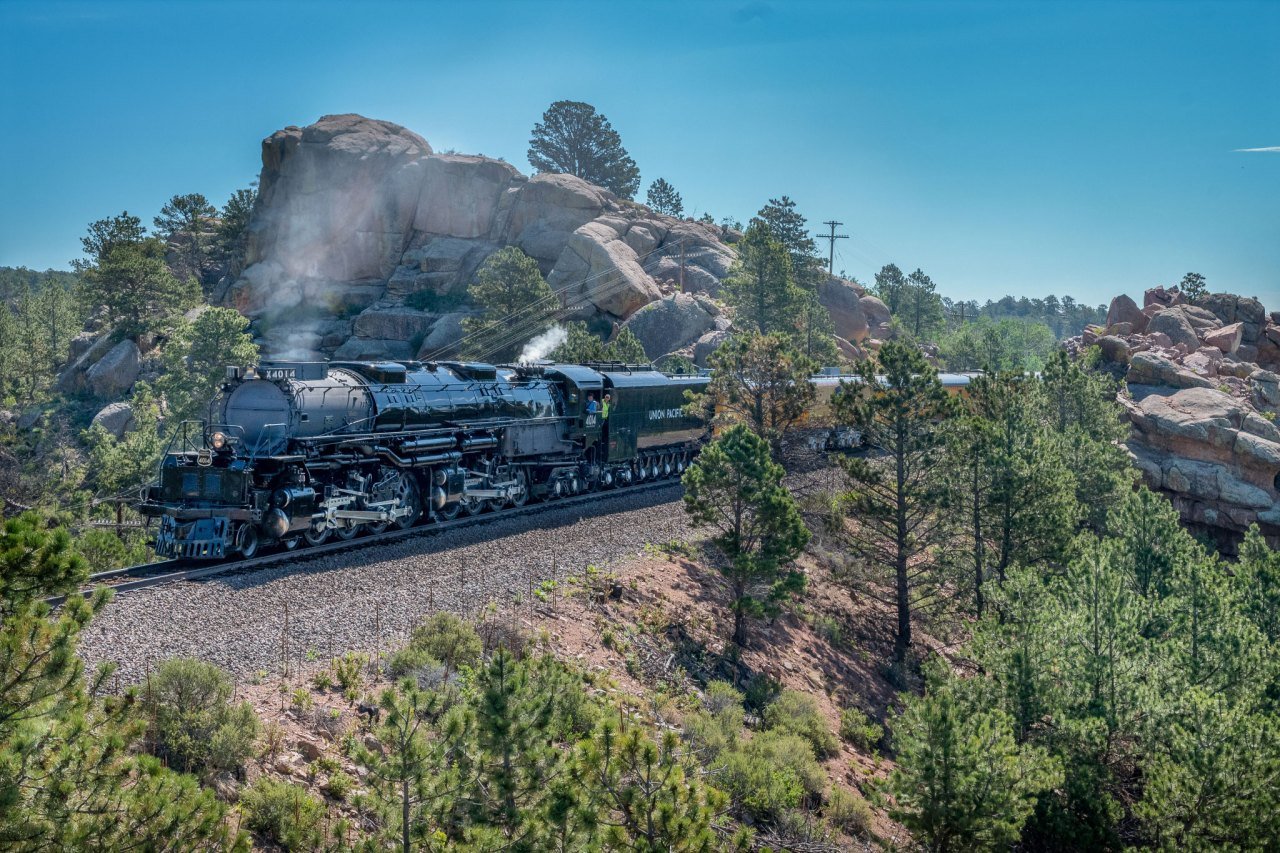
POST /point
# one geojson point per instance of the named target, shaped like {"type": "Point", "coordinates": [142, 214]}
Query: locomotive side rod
{"type": "Point", "coordinates": [156, 574]}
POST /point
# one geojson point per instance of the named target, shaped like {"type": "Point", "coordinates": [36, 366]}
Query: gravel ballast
{"type": "Point", "coordinates": [372, 597]}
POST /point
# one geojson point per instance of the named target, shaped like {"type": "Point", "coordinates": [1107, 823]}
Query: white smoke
{"type": "Point", "coordinates": [544, 344]}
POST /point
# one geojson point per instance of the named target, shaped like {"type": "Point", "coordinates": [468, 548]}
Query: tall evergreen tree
{"type": "Point", "coordinates": [575, 139]}
{"type": "Point", "coordinates": [663, 198]}
{"type": "Point", "coordinates": [183, 220]}
{"type": "Point", "coordinates": [233, 227]}
{"type": "Point", "coordinates": [761, 285]}
{"type": "Point", "coordinates": [136, 286]}
{"type": "Point", "coordinates": [895, 496]}
{"type": "Point", "coordinates": [1081, 411]}
{"type": "Point", "coordinates": [107, 234]}
{"type": "Point", "coordinates": [922, 307]}
{"type": "Point", "coordinates": [789, 228]}
{"type": "Point", "coordinates": [890, 288]}
{"type": "Point", "coordinates": [516, 304]}
{"type": "Point", "coordinates": [736, 490]}
{"type": "Point", "coordinates": [759, 380]}
{"type": "Point", "coordinates": [963, 782]}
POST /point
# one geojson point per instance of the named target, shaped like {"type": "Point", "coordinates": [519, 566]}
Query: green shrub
{"type": "Point", "coordinates": [349, 670]}
{"type": "Point", "coordinates": [284, 813]}
{"type": "Point", "coordinates": [798, 713]}
{"type": "Point", "coordinates": [848, 812]}
{"type": "Point", "coordinates": [419, 665]}
{"type": "Point", "coordinates": [858, 730]}
{"type": "Point", "coordinates": [338, 785]}
{"type": "Point", "coordinates": [192, 725]}
{"type": "Point", "coordinates": [760, 692]}
{"type": "Point", "coordinates": [772, 772]}
{"type": "Point", "coordinates": [722, 695]}
{"type": "Point", "coordinates": [322, 681]}
{"type": "Point", "coordinates": [449, 640]}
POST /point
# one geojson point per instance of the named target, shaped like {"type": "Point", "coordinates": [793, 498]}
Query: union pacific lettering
{"type": "Point", "coordinates": [665, 414]}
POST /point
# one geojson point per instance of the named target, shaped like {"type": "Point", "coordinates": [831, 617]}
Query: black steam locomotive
{"type": "Point", "coordinates": [298, 452]}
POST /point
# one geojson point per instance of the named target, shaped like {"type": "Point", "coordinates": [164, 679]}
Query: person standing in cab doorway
{"type": "Point", "coordinates": [592, 405]}
{"type": "Point", "coordinates": [604, 410]}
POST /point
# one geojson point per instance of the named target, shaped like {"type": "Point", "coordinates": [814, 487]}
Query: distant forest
{"type": "Point", "coordinates": [1065, 317]}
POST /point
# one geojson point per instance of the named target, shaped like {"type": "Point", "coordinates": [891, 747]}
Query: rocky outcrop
{"type": "Point", "coordinates": [843, 301]}
{"type": "Point", "coordinates": [115, 372]}
{"type": "Point", "coordinates": [877, 314]}
{"type": "Point", "coordinates": [359, 217]}
{"type": "Point", "coordinates": [115, 418]}
{"type": "Point", "coordinates": [1202, 396]}
{"type": "Point", "coordinates": [670, 324]}
{"type": "Point", "coordinates": [1215, 456]}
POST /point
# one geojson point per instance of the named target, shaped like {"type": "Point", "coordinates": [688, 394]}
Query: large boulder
{"type": "Point", "coordinates": [669, 324]}
{"type": "Point", "coordinates": [706, 345]}
{"type": "Point", "coordinates": [1124, 310]}
{"type": "Point", "coordinates": [1175, 324]}
{"type": "Point", "coordinates": [1148, 368]}
{"type": "Point", "coordinates": [115, 418]}
{"type": "Point", "coordinates": [1226, 339]}
{"type": "Point", "coordinates": [1245, 310]}
{"type": "Point", "coordinates": [843, 301]}
{"type": "Point", "coordinates": [598, 266]}
{"type": "Point", "coordinates": [877, 314]}
{"type": "Point", "coordinates": [442, 340]}
{"type": "Point", "coordinates": [115, 372]}
{"type": "Point", "coordinates": [72, 379]}
{"type": "Point", "coordinates": [549, 208]}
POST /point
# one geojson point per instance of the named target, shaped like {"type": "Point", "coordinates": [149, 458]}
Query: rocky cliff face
{"type": "Point", "coordinates": [1203, 397]}
{"type": "Point", "coordinates": [364, 241]}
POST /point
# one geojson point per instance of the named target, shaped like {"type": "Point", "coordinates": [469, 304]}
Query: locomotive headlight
{"type": "Point", "coordinates": [218, 440]}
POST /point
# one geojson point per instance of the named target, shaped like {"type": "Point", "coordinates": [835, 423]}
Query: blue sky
{"type": "Point", "coordinates": [1025, 148]}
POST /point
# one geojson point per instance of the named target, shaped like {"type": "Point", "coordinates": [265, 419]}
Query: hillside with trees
{"type": "Point", "coordinates": [1041, 614]}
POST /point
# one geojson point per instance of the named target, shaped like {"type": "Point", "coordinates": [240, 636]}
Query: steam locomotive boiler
{"type": "Point", "coordinates": [297, 452]}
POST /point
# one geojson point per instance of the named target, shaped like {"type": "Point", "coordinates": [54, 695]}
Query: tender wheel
{"type": "Point", "coordinates": [316, 535]}
{"type": "Point", "coordinates": [246, 542]}
{"type": "Point", "coordinates": [522, 498]}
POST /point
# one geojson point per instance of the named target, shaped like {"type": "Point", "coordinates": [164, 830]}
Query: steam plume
{"type": "Point", "coordinates": [544, 344]}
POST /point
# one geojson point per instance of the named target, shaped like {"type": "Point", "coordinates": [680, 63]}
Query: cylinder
{"type": "Point", "coordinates": [438, 442]}
{"type": "Point", "coordinates": [479, 442]}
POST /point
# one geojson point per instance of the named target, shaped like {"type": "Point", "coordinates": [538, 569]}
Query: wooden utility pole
{"type": "Point", "coordinates": [831, 239]}
{"type": "Point", "coordinates": [682, 266]}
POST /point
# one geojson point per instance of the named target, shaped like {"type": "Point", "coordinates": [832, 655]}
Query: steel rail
{"type": "Point", "coordinates": [156, 575]}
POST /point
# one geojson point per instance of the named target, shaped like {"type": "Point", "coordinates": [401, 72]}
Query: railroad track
{"type": "Point", "coordinates": [171, 571]}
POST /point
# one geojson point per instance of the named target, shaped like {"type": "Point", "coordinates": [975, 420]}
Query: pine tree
{"type": "Point", "coordinates": [895, 496]}
{"type": "Point", "coordinates": [126, 464]}
{"type": "Point", "coordinates": [69, 779]}
{"type": "Point", "coordinates": [761, 286]}
{"type": "Point", "coordinates": [963, 782]}
{"type": "Point", "coordinates": [970, 482]}
{"type": "Point", "coordinates": [574, 139]}
{"type": "Point", "coordinates": [1192, 286]}
{"type": "Point", "coordinates": [233, 227]}
{"type": "Point", "coordinates": [761, 381]}
{"type": "Point", "coordinates": [736, 490]}
{"type": "Point", "coordinates": [1260, 584]}
{"type": "Point", "coordinates": [196, 357]}
{"type": "Point", "coordinates": [663, 198]}
{"type": "Point", "coordinates": [1082, 414]}
{"type": "Point", "coordinates": [890, 288]}
{"type": "Point", "coordinates": [788, 227]}
{"type": "Point", "coordinates": [107, 234]}
{"type": "Point", "coordinates": [922, 307]}
{"type": "Point", "coordinates": [1033, 509]}
{"type": "Point", "coordinates": [415, 776]}
{"type": "Point", "coordinates": [136, 286]}
{"type": "Point", "coordinates": [184, 218]}
{"type": "Point", "coordinates": [515, 302]}
{"type": "Point", "coordinates": [640, 795]}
